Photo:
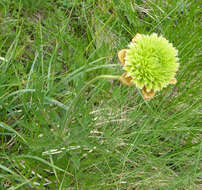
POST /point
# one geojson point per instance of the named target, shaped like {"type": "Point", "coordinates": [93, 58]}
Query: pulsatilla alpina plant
{"type": "Point", "coordinates": [150, 63]}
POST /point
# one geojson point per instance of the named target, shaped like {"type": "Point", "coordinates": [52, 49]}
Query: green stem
{"type": "Point", "coordinates": [71, 109]}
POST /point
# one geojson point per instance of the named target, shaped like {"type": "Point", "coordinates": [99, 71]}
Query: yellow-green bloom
{"type": "Point", "coordinates": [150, 63]}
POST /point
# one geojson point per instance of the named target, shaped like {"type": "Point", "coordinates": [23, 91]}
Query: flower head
{"type": "Point", "coordinates": [151, 63]}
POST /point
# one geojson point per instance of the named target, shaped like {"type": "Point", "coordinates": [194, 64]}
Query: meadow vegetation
{"type": "Point", "coordinates": [105, 137]}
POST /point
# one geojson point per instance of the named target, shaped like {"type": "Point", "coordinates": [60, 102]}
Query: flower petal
{"type": "Point", "coordinates": [121, 56]}
{"type": "Point", "coordinates": [136, 37]}
{"type": "Point", "coordinates": [126, 80]}
{"type": "Point", "coordinates": [173, 81]}
{"type": "Point", "coordinates": [148, 95]}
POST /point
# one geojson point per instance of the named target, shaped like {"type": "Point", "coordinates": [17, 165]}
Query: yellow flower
{"type": "Point", "coordinates": [150, 63]}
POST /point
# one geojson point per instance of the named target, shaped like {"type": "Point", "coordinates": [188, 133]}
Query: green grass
{"type": "Point", "coordinates": [55, 136]}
